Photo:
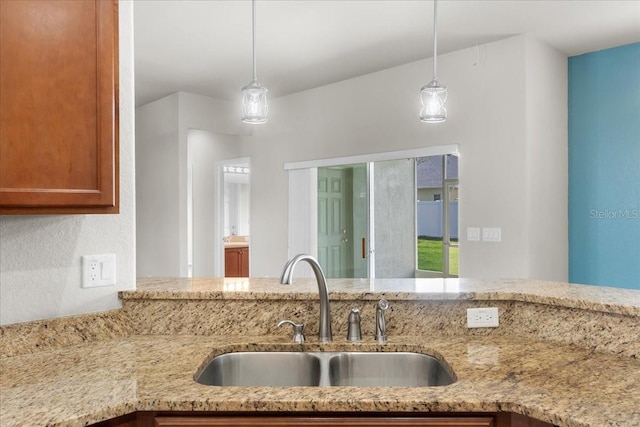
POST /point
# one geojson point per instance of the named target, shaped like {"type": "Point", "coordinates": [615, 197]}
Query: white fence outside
{"type": "Point", "coordinates": [429, 216]}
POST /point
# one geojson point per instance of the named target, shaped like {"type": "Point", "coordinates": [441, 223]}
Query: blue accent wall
{"type": "Point", "coordinates": [604, 167]}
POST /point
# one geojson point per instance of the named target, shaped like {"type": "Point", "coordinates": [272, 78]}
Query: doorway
{"type": "Point", "coordinates": [233, 207]}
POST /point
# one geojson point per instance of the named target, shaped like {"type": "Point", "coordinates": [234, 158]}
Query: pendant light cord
{"type": "Point", "coordinates": [435, 38]}
{"type": "Point", "coordinates": [253, 30]}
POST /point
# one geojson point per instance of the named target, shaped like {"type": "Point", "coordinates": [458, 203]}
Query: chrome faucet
{"type": "Point", "coordinates": [298, 335]}
{"type": "Point", "coordinates": [324, 334]}
{"type": "Point", "coordinates": [381, 324]}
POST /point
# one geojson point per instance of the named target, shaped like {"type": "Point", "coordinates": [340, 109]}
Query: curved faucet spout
{"type": "Point", "coordinates": [325, 312]}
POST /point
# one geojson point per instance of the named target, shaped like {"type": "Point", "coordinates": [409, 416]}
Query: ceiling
{"type": "Point", "coordinates": [204, 46]}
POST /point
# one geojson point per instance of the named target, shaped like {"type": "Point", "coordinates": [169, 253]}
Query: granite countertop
{"type": "Point", "coordinates": [86, 383]}
{"type": "Point", "coordinates": [605, 299]}
{"type": "Point", "coordinates": [561, 383]}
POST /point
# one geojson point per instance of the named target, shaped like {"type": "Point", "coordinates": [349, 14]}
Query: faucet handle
{"type": "Point", "coordinates": [354, 333]}
{"type": "Point", "coordinates": [298, 336]}
{"type": "Point", "coordinates": [381, 324]}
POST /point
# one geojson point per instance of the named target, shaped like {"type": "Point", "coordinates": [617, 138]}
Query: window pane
{"type": "Point", "coordinates": [453, 260]}
{"type": "Point", "coordinates": [452, 167]}
{"type": "Point", "coordinates": [429, 253]}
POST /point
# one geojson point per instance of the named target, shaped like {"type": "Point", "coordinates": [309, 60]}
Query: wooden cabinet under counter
{"type": "Point", "coordinates": [58, 107]}
{"type": "Point", "coordinates": [193, 419]}
{"type": "Point", "coordinates": [236, 261]}
{"type": "Point", "coordinates": [249, 421]}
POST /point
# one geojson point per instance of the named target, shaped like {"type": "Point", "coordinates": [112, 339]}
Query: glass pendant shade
{"type": "Point", "coordinates": [433, 97]}
{"type": "Point", "coordinates": [254, 103]}
{"type": "Point", "coordinates": [254, 96]}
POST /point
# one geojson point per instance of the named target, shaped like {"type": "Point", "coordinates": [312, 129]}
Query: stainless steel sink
{"type": "Point", "coordinates": [290, 369]}
{"type": "Point", "coordinates": [284, 369]}
{"type": "Point", "coordinates": [387, 369]}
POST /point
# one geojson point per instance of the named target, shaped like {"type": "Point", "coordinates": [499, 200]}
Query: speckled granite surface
{"type": "Point", "coordinates": [86, 383]}
{"type": "Point", "coordinates": [598, 298]}
{"type": "Point", "coordinates": [30, 337]}
{"type": "Point", "coordinates": [602, 319]}
{"type": "Point", "coordinates": [564, 354]}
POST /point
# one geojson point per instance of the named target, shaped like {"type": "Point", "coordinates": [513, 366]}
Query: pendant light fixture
{"type": "Point", "coordinates": [254, 96]}
{"type": "Point", "coordinates": [434, 95]}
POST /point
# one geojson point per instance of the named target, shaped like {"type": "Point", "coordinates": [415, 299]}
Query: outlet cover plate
{"type": "Point", "coordinates": [98, 270]}
{"type": "Point", "coordinates": [483, 317]}
{"type": "Point", "coordinates": [473, 234]}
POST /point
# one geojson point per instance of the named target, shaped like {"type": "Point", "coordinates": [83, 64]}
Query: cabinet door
{"type": "Point", "coordinates": [324, 421]}
{"type": "Point", "coordinates": [244, 262]}
{"type": "Point", "coordinates": [58, 106]}
{"type": "Point", "coordinates": [236, 262]}
{"type": "Point", "coordinates": [232, 262]}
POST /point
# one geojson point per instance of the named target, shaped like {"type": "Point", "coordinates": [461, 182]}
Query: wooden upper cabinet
{"type": "Point", "coordinates": [58, 106]}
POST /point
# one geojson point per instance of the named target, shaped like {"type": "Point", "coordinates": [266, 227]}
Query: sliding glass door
{"type": "Point", "coordinates": [437, 216]}
{"type": "Point", "coordinates": [375, 215]}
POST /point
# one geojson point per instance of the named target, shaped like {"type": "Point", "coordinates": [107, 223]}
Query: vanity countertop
{"type": "Point", "coordinates": [598, 298]}
{"type": "Point", "coordinates": [232, 245]}
{"type": "Point", "coordinates": [86, 383]}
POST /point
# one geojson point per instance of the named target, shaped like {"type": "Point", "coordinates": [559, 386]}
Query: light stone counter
{"type": "Point", "coordinates": [91, 382]}
{"type": "Point", "coordinates": [599, 298]}
{"type": "Point", "coordinates": [564, 354]}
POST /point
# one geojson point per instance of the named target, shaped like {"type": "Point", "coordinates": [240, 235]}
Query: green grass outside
{"type": "Point", "coordinates": [430, 255]}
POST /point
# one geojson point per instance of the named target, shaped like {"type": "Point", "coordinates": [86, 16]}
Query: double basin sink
{"type": "Point", "coordinates": [291, 369]}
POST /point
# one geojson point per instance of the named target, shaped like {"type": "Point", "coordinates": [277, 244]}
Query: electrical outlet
{"type": "Point", "coordinates": [98, 270]}
{"type": "Point", "coordinates": [482, 317]}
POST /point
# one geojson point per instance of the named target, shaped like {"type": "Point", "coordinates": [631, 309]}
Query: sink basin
{"type": "Point", "coordinates": [387, 369]}
{"type": "Point", "coordinates": [284, 369]}
{"type": "Point", "coordinates": [290, 369]}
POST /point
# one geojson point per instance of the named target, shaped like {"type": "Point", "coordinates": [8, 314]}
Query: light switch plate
{"type": "Point", "coordinates": [491, 234]}
{"type": "Point", "coordinates": [473, 234]}
{"type": "Point", "coordinates": [98, 270]}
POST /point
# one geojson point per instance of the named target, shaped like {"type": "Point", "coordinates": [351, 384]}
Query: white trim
{"type": "Point", "coordinates": [375, 157]}
{"type": "Point", "coordinates": [371, 245]}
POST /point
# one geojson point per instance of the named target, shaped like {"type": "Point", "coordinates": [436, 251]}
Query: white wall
{"type": "Point", "coordinates": [490, 117]}
{"type": "Point", "coordinates": [157, 187]}
{"type": "Point", "coordinates": [547, 168]}
{"type": "Point", "coordinates": [40, 271]}
{"type": "Point", "coordinates": [205, 149]}
{"type": "Point", "coordinates": [163, 129]}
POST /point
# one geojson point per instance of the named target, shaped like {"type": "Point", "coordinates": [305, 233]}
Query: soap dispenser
{"type": "Point", "coordinates": [354, 334]}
